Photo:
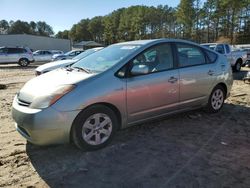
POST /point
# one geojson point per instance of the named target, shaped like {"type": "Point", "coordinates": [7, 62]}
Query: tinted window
{"type": "Point", "coordinates": [157, 58]}
{"type": "Point", "coordinates": [211, 56]}
{"type": "Point", "coordinates": [220, 49]}
{"type": "Point", "coordinates": [78, 52]}
{"type": "Point", "coordinates": [227, 49]}
{"type": "Point", "coordinates": [47, 52]}
{"type": "Point", "coordinates": [2, 50]}
{"type": "Point", "coordinates": [15, 50]}
{"type": "Point", "coordinates": [189, 55]}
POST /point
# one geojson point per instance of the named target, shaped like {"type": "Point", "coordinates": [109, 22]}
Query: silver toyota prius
{"type": "Point", "coordinates": [121, 85]}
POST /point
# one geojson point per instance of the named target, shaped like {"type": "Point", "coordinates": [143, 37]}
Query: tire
{"type": "Point", "coordinates": [216, 99]}
{"type": "Point", "coordinates": [237, 66]}
{"type": "Point", "coordinates": [23, 62]}
{"type": "Point", "coordinates": [89, 135]}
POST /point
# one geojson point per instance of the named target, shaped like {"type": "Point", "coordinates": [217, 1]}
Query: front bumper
{"type": "Point", "coordinates": [43, 126]}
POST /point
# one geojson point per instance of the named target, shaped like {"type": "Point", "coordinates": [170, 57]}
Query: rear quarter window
{"type": "Point", "coordinates": [211, 56]}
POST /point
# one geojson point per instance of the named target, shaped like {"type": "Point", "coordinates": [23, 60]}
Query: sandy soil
{"type": "Point", "coordinates": [193, 149]}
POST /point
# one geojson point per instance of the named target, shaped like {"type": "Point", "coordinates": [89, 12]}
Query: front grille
{"type": "Point", "coordinates": [23, 103]}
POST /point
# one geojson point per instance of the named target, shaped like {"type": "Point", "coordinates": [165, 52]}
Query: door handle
{"type": "Point", "coordinates": [210, 72]}
{"type": "Point", "coordinates": [172, 79]}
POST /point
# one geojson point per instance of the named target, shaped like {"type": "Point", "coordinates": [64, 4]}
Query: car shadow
{"type": "Point", "coordinates": [193, 149]}
{"type": "Point", "coordinates": [16, 67]}
{"type": "Point", "coordinates": [240, 75]}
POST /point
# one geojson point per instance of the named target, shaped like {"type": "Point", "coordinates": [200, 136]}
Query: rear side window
{"type": "Point", "coordinates": [211, 56]}
{"type": "Point", "coordinates": [227, 49]}
{"type": "Point", "coordinates": [190, 55]}
{"type": "Point", "coordinates": [47, 52]}
{"type": "Point", "coordinates": [15, 50]}
{"type": "Point", "coordinates": [220, 49]}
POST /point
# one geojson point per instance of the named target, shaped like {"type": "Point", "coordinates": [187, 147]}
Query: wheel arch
{"type": "Point", "coordinates": [224, 87]}
{"type": "Point", "coordinates": [109, 105]}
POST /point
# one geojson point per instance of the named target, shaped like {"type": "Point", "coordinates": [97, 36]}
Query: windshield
{"type": "Point", "coordinates": [67, 53]}
{"type": "Point", "coordinates": [84, 54]}
{"type": "Point", "coordinates": [106, 58]}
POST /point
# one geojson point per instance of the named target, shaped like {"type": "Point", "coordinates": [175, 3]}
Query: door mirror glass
{"type": "Point", "coordinates": [139, 70]}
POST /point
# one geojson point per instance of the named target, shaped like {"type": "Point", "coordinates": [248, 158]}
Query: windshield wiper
{"type": "Point", "coordinates": [82, 69]}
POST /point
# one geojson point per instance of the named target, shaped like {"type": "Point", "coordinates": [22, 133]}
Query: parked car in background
{"type": "Point", "coordinates": [247, 62]}
{"type": "Point", "coordinates": [122, 85]}
{"type": "Point", "coordinates": [68, 55]}
{"type": "Point", "coordinates": [235, 57]}
{"type": "Point", "coordinates": [63, 63]}
{"type": "Point", "coordinates": [20, 55]}
{"type": "Point", "coordinates": [57, 52]}
{"type": "Point", "coordinates": [42, 55]}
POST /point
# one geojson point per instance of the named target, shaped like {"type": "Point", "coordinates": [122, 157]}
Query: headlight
{"type": "Point", "coordinates": [53, 96]}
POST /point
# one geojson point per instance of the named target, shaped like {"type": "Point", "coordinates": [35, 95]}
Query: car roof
{"type": "Point", "coordinates": [145, 42]}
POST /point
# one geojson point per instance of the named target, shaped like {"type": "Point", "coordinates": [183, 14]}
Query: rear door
{"type": "Point", "coordinates": [196, 75]}
{"type": "Point", "coordinates": [13, 55]}
{"type": "Point", "coordinates": [156, 92]}
{"type": "Point", "coordinates": [47, 56]}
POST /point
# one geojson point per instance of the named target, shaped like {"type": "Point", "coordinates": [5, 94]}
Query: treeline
{"type": "Point", "coordinates": [22, 27]}
{"type": "Point", "coordinates": [196, 20]}
{"type": "Point", "coordinates": [210, 21]}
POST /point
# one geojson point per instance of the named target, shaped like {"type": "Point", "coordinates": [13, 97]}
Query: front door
{"type": "Point", "coordinates": [157, 91]}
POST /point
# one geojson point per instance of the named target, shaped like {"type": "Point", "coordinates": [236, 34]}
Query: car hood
{"type": "Point", "coordinates": [45, 83]}
{"type": "Point", "coordinates": [54, 65]}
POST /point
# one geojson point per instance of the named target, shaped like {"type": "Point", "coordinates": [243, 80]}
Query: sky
{"type": "Point", "coordinates": [62, 14]}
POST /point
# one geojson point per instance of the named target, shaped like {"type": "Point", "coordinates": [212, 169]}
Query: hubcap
{"type": "Point", "coordinates": [217, 99]}
{"type": "Point", "coordinates": [97, 129]}
{"type": "Point", "coordinates": [23, 62]}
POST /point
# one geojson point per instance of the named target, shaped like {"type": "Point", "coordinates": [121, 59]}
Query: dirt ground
{"type": "Point", "coordinates": [193, 149]}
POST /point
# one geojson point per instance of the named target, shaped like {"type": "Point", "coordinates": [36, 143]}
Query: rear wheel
{"type": "Point", "coordinates": [237, 66]}
{"type": "Point", "coordinates": [94, 127]}
{"type": "Point", "coordinates": [216, 99]}
{"type": "Point", "coordinates": [23, 62]}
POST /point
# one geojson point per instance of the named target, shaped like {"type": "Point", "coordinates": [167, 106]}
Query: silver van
{"type": "Point", "coordinates": [122, 85]}
{"type": "Point", "coordinates": [19, 55]}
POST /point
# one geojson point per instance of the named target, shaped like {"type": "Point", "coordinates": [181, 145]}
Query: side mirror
{"type": "Point", "coordinates": [139, 70]}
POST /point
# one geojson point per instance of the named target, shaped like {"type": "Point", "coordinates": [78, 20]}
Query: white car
{"type": "Point", "coordinates": [42, 55]}
{"type": "Point", "coordinates": [69, 55]}
{"type": "Point", "coordinates": [63, 63]}
{"type": "Point", "coordinates": [20, 55]}
{"type": "Point", "coordinates": [235, 57]}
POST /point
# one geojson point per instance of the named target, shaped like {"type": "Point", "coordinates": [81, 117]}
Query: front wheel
{"type": "Point", "coordinates": [216, 99]}
{"type": "Point", "coordinates": [94, 127]}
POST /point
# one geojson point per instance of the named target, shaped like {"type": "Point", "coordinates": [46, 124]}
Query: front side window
{"type": "Point", "coordinates": [157, 58]}
{"type": "Point", "coordinates": [190, 55]}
